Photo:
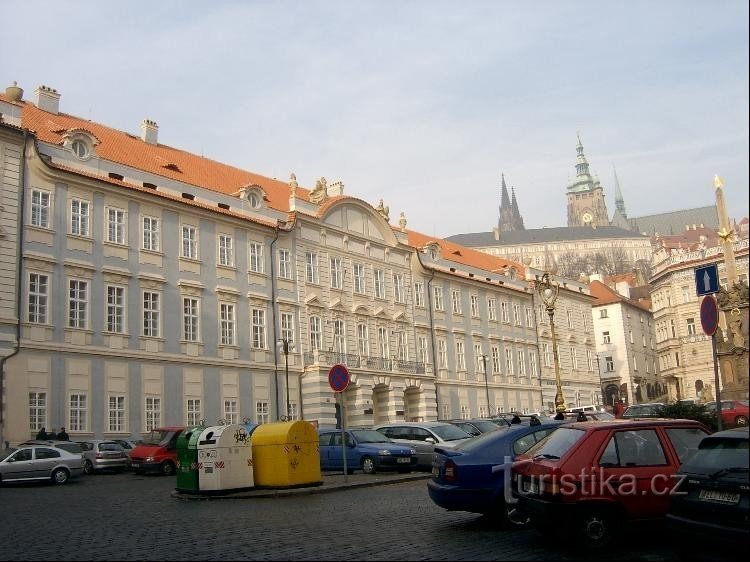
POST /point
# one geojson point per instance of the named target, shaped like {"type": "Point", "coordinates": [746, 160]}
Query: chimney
{"type": "Point", "coordinates": [149, 131]}
{"type": "Point", "coordinates": [47, 99]}
{"type": "Point", "coordinates": [336, 188]}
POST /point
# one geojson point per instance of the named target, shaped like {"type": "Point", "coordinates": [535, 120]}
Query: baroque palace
{"type": "Point", "coordinates": [143, 285]}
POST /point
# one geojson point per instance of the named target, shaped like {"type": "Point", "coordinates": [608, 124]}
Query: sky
{"type": "Point", "coordinates": [420, 103]}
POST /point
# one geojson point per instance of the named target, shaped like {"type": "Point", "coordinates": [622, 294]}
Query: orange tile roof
{"type": "Point", "coordinates": [605, 295]}
{"type": "Point", "coordinates": [161, 160]}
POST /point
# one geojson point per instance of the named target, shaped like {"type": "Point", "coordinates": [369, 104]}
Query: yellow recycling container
{"type": "Point", "coordinates": [285, 455]}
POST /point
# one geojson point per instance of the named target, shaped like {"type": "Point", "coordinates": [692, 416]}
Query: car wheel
{"type": "Point", "coordinates": [597, 528]}
{"type": "Point", "coordinates": [167, 468]}
{"type": "Point", "coordinates": [368, 465]}
{"type": "Point", "coordinates": [513, 517]}
{"type": "Point", "coordinates": [88, 467]}
{"type": "Point", "coordinates": [60, 476]}
{"type": "Point", "coordinates": [740, 420]}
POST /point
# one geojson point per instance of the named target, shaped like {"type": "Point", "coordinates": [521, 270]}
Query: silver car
{"type": "Point", "coordinates": [423, 436]}
{"type": "Point", "coordinates": [103, 454]}
{"type": "Point", "coordinates": [39, 462]}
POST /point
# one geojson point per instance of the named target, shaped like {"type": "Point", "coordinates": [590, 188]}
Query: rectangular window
{"type": "Point", "coordinates": [286, 327]}
{"type": "Point", "coordinates": [227, 324]}
{"type": "Point", "coordinates": [635, 363]}
{"type": "Point", "coordinates": [261, 411]}
{"type": "Point", "coordinates": [460, 356]}
{"type": "Point", "coordinates": [116, 414]}
{"type": "Point", "coordinates": [603, 313]}
{"type": "Point", "coordinates": [379, 279]}
{"type": "Point", "coordinates": [78, 298]}
{"type": "Point", "coordinates": [533, 364]}
{"type": "Point", "coordinates": [589, 360]}
{"type": "Point", "coordinates": [465, 413]}
{"type": "Point", "coordinates": [574, 357]}
{"type": "Point", "coordinates": [438, 298]}
{"type": "Point", "coordinates": [190, 316]}
{"type": "Point", "coordinates": [256, 257]}
{"type": "Point", "coordinates": [152, 412]}
{"type": "Point", "coordinates": [40, 208]}
{"type": "Point", "coordinates": [293, 412]}
{"type": "Point", "coordinates": [258, 340]}
{"type": "Point", "coordinates": [643, 339]}
{"type": "Point", "coordinates": [529, 317]}
{"type": "Point", "coordinates": [521, 355]}
{"type": "Point", "coordinates": [151, 234]}
{"type": "Point", "coordinates": [285, 264]}
{"type": "Point", "coordinates": [359, 278]}
{"type": "Point", "coordinates": [193, 411]}
{"type": "Point", "coordinates": [504, 312]}
{"type": "Point", "coordinates": [77, 412]}
{"type": "Point", "coordinates": [363, 343]}
{"type": "Point", "coordinates": [442, 353]}
{"type": "Point", "coordinates": [422, 349]}
{"type": "Point", "coordinates": [569, 316]}
{"type": "Point", "coordinates": [339, 336]}
{"type": "Point", "coordinates": [685, 294]}
{"type": "Point", "coordinates": [311, 267]}
{"type": "Point", "coordinates": [226, 250]}
{"type": "Point", "coordinates": [517, 314]}
{"type": "Point", "coordinates": [496, 361]}
{"type": "Point", "coordinates": [630, 335]}
{"type": "Point", "coordinates": [419, 294]}
{"type": "Point", "coordinates": [606, 338]}
{"type": "Point", "coordinates": [79, 217]}
{"type": "Point", "coordinates": [547, 355]}
{"type": "Point", "coordinates": [231, 411]}
{"type": "Point", "coordinates": [399, 293]}
{"type": "Point", "coordinates": [316, 335]}
{"type": "Point", "coordinates": [478, 361]}
{"type": "Point", "coordinates": [542, 314]}
{"type": "Point", "coordinates": [115, 309]}
{"type": "Point", "coordinates": [509, 362]}
{"type": "Point", "coordinates": [446, 410]}
{"type": "Point", "coordinates": [402, 346]}
{"type": "Point", "coordinates": [115, 226]}
{"type": "Point", "coordinates": [337, 273]}
{"type": "Point", "coordinates": [456, 301]}
{"type": "Point", "coordinates": [383, 343]}
{"type": "Point", "coordinates": [38, 288]}
{"type": "Point", "coordinates": [151, 311]}
{"type": "Point", "coordinates": [690, 326]}
{"type": "Point", "coordinates": [609, 364]}
{"type": "Point", "coordinates": [37, 410]}
{"type": "Point", "coordinates": [492, 309]}
{"type": "Point", "coordinates": [474, 306]}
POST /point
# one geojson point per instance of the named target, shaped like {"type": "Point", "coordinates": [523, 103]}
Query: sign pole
{"type": "Point", "coordinates": [339, 379]}
{"type": "Point", "coordinates": [716, 382]}
{"type": "Point", "coordinates": [343, 436]}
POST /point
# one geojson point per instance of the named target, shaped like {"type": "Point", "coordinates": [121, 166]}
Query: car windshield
{"type": "Point", "coordinates": [557, 443]}
{"type": "Point", "coordinates": [370, 436]}
{"type": "Point", "coordinates": [716, 454]}
{"type": "Point", "coordinates": [157, 437]}
{"type": "Point", "coordinates": [481, 440]}
{"type": "Point", "coordinates": [5, 453]}
{"type": "Point", "coordinates": [485, 425]}
{"type": "Point", "coordinates": [450, 432]}
{"type": "Point", "coordinates": [110, 446]}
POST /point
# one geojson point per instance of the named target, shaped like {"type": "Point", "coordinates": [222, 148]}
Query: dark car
{"type": "Point", "coordinates": [643, 411]}
{"type": "Point", "coordinates": [590, 478]}
{"type": "Point", "coordinates": [471, 476]}
{"type": "Point", "coordinates": [476, 426]}
{"type": "Point", "coordinates": [711, 506]}
{"type": "Point", "coordinates": [366, 450]}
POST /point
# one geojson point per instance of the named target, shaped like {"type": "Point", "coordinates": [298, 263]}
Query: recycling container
{"type": "Point", "coordinates": [225, 458]}
{"type": "Point", "coordinates": [285, 455]}
{"type": "Point", "coordinates": [187, 459]}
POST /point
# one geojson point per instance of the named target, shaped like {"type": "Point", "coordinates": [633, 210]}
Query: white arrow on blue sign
{"type": "Point", "coordinates": [706, 280]}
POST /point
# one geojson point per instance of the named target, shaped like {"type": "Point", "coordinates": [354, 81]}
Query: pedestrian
{"type": "Point", "coordinates": [63, 435]}
{"type": "Point", "coordinates": [42, 434]}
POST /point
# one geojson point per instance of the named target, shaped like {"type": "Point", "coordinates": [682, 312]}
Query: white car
{"type": "Point", "coordinates": [39, 462]}
{"type": "Point", "coordinates": [423, 436]}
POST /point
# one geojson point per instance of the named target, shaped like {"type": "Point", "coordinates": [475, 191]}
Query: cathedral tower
{"type": "Point", "coordinates": [586, 205]}
{"type": "Point", "coordinates": [510, 218]}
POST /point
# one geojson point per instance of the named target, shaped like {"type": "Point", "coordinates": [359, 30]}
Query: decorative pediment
{"type": "Point", "coordinates": [399, 315]}
{"type": "Point", "coordinates": [313, 300]}
{"type": "Point", "coordinates": [360, 308]}
{"type": "Point", "coordinates": [380, 311]}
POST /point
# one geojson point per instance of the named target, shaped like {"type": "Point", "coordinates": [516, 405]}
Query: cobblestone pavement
{"type": "Point", "coordinates": [130, 517]}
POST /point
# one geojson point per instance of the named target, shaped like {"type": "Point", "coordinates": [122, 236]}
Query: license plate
{"type": "Point", "coordinates": [717, 496]}
{"type": "Point", "coordinates": [403, 460]}
{"type": "Point", "coordinates": [135, 465]}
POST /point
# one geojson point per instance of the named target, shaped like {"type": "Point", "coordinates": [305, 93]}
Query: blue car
{"type": "Point", "coordinates": [366, 450]}
{"type": "Point", "coordinates": [470, 476]}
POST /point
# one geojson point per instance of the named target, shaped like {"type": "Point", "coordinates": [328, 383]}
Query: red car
{"type": "Point", "coordinates": [589, 478]}
{"type": "Point", "coordinates": [734, 413]}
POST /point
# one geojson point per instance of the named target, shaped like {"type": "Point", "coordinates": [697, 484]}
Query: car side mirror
{"type": "Point", "coordinates": [430, 440]}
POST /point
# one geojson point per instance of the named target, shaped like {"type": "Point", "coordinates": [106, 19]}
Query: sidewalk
{"type": "Point", "coordinates": [332, 481]}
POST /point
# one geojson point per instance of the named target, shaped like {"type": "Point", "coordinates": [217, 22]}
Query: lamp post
{"type": "Point", "coordinates": [486, 384]}
{"type": "Point", "coordinates": [286, 346]}
{"type": "Point", "coordinates": [601, 387]}
{"type": "Point", "coordinates": [548, 291]}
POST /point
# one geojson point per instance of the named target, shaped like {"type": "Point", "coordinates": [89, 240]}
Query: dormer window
{"type": "Point", "coordinates": [254, 195]}
{"type": "Point", "coordinates": [253, 199]}
{"type": "Point", "coordinates": [80, 148]}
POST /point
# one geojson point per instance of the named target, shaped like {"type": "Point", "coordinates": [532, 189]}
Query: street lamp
{"type": "Point", "coordinates": [601, 385]}
{"type": "Point", "coordinates": [486, 385]}
{"type": "Point", "coordinates": [548, 291]}
{"type": "Point", "coordinates": [285, 346]}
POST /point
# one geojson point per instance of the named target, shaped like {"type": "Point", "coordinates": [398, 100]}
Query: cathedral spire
{"type": "Point", "coordinates": [504, 199]}
{"type": "Point", "coordinates": [582, 165]}
{"type": "Point", "coordinates": [507, 219]}
{"type": "Point", "coordinates": [517, 218]}
{"type": "Point", "coordinates": [619, 199]}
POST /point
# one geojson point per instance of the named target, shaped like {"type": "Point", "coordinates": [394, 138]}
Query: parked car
{"type": "Point", "coordinates": [734, 413]}
{"type": "Point", "coordinates": [711, 506]}
{"type": "Point", "coordinates": [423, 436]}
{"type": "Point", "coordinates": [103, 454]}
{"type": "Point", "coordinates": [127, 446]}
{"type": "Point", "coordinates": [366, 450]}
{"type": "Point", "coordinates": [70, 446]}
{"type": "Point", "coordinates": [157, 452]}
{"type": "Point", "coordinates": [642, 411]}
{"type": "Point", "coordinates": [476, 426]}
{"type": "Point", "coordinates": [471, 476]}
{"type": "Point", "coordinates": [591, 477]}
{"type": "Point", "coordinates": [39, 462]}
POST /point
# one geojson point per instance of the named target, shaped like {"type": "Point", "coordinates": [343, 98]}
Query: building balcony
{"type": "Point", "coordinates": [327, 358]}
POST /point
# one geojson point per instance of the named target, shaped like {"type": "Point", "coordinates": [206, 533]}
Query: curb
{"type": "Point", "coordinates": [307, 490]}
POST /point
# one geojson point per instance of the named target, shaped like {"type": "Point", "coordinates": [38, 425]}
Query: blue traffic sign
{"type": "Point", "coordinates": [706, 280]}
{"type": "Point", "coordinates": [338, 378]}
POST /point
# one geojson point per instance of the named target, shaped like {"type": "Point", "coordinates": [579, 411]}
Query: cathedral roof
{"type": "Point", "coordinates": [541, 235]}
{"type": "Point", "coordinates": [675, 222]}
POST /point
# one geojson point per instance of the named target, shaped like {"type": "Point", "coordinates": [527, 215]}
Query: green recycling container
{"type": "Point", "coordinates": [187, 459]}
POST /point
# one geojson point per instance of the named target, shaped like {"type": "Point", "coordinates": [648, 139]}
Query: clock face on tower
{"type": "Point", "coordinates": [587, 217]}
